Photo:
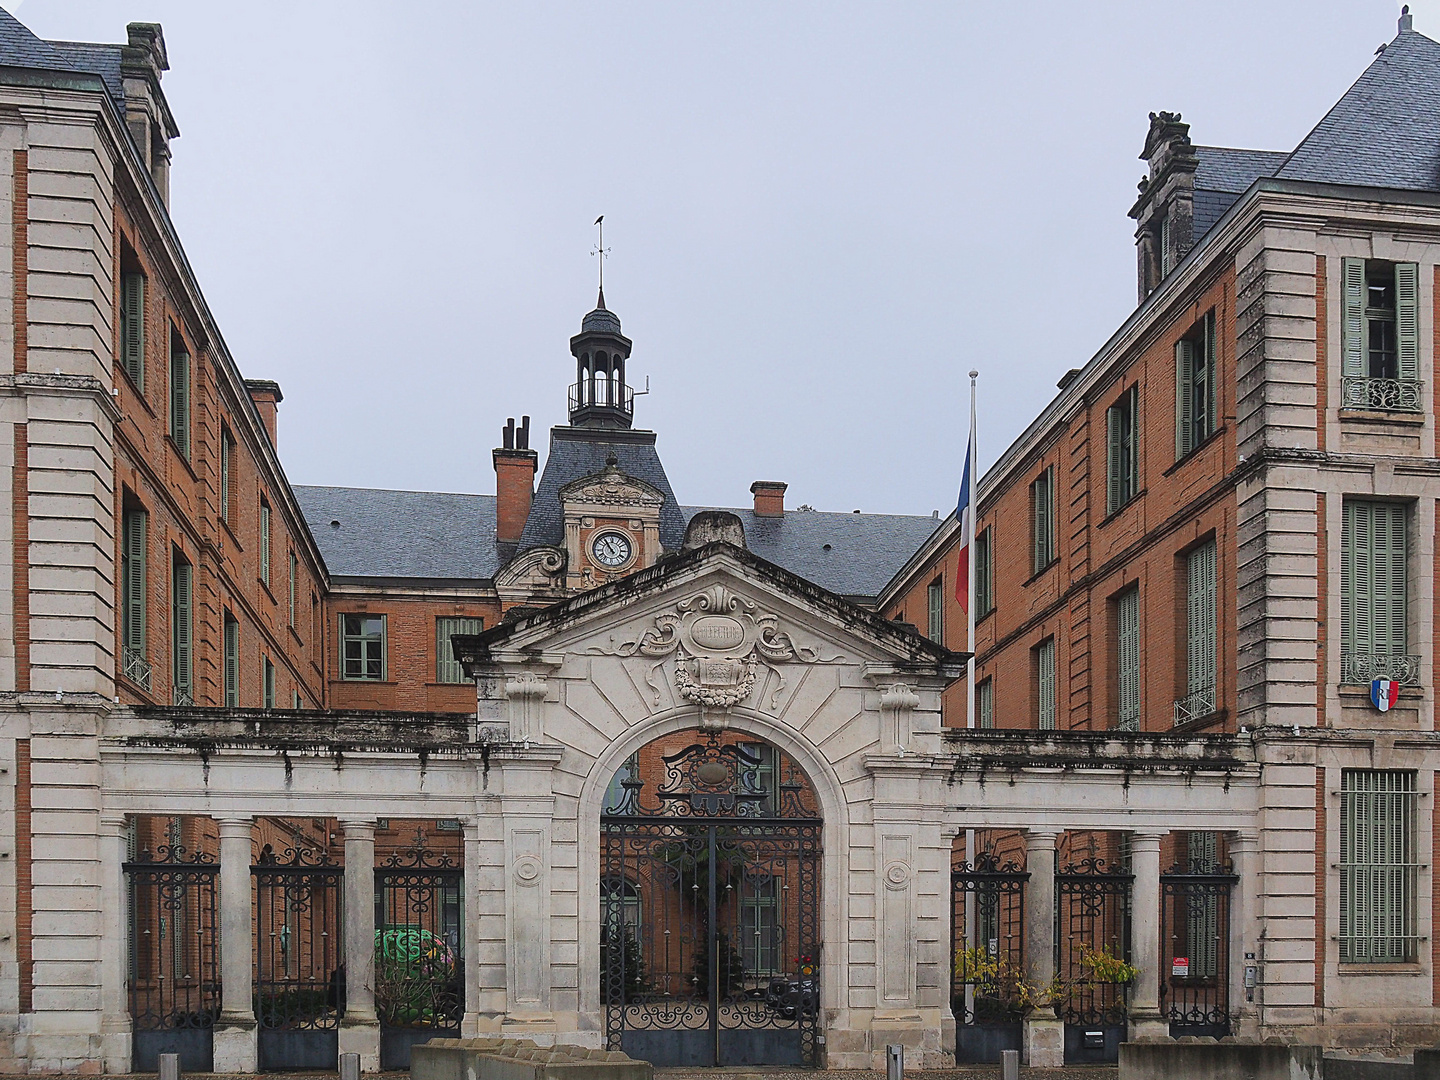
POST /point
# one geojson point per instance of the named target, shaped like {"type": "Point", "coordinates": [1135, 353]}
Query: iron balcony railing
{"type": "Point", "coordinates": [137, 668]}
{"type": "Point", "coordinates": [1361, 668]}
{"type": "Point", "coordinates": [600, 394]}
{"type": "Point", "coordinates": [1194, 706]}
{"type": "Point", "coordinates": [181, 697]}
{"type": "Point", "coordinates": [1384, 395]}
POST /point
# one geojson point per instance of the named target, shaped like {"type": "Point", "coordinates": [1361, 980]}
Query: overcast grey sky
{"type": "Point", "coordinates": [821, 215]}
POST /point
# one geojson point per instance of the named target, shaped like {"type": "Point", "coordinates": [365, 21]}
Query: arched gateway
{"type": "Point", "coordinates": [716, 822]}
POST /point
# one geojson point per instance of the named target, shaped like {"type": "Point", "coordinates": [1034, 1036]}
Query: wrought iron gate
{"type": "Point", "coordinates": [419, 966]}
{"type": "Point", "coordinates": [299, 980]}
{"type": "Point", "coordinates": [1092, 930]}
{"type": "Point", "coordinates": [1195, 950]}
{"type": "Point", "coordinates": [174, 976]}
{"type": "Point", "coordinates": [987, 933]}
{"type": "Point", "coordinates": [709, 908]}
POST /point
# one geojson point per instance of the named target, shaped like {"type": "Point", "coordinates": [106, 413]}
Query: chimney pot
{"type": "Point", "coordinates": [514, 481]}
{"type": "Point", "coordinates": [769, 498]}
{"type": "Point", "coordinates": [265, 393]}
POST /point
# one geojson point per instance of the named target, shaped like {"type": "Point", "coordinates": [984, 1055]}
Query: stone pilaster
{"type": "Point", "coordinates": [1245, 861]}
{"type": "Point", "coordinates": [470, 1022]}
{"type": "Point", "coordinates": [235, 1044]}
{"type": "Point", "coordinates": [114, 920]}
{"type": "Point", "coordinates": [360, 1027]}
{"type": "Point", "coordinates": [1146, 1021]}
{"type": "Point", "coordinates": [1044, 1044]}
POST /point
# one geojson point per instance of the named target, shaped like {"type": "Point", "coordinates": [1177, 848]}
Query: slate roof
{"type": "Point", "coordinates": [19, 48]}
{"type": "Point", "coordinates": [98, 59]}
{"type": "Point", "coordinates": [401, 534]}
{"type": "Point", "coordinates": [1223, 175]}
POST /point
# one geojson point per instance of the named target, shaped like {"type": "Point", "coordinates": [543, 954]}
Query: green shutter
{"type": "Point", "coordinates": [132, 327]}
{"type": "Point", "coordinates": [225, 452]}
{"type": "Point", "coordinates": [293, 567]}
{"type": "Point", "coordinates": [232, 662]}
{"type": "Point", "coordinates": [180, 402]}
{"type": "Point", "coordinates": [1348, 585]}
{"type": "Point", "coordinates": [1407, 318]}
{"type": "Point", "coordinates": [1352, 328]}
{"type": "Point", "coordinates": [1045, 684]}
{"type": "Point", "coordinates": [1205, 395]}
{"type": "Point", "coordinates": [1200, 618]}
{"type": "Point", "coordinates": [1114, 453]}
{"type": "Point", "coordinates": [1373, 577]}
{"type": "Point", "coordinates": [265, 543]}
{"type": "Point", "coordinates": [985, 705]}
{"type": "Point", "coordinates": [983, 591]}
{"type": "Point", "coordinates": [1043, 496]}
{"type": "Point", "coordinates": [134, 581]}
{"type": "Point", "coordinates": [183, 605]}
{"type": "Point", "coordinates": [447, 668]}
{"type": "Point", "coordinates": [267, 674]}
{"type": "Point", "coordinates": [1388, 568]}
{"type": "Point", "coordinates": [1184, 384]}
{"type": "Point", "coordinates": [1127, 619]}
{"type": "Point", "coordinates": [935, 613]}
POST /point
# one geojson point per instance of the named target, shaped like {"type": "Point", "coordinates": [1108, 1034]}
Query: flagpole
{"type": "Point", "coordinates": [971, 718]}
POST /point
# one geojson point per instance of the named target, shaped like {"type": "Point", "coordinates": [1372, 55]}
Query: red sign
{"type": "Point", "coordinates": [1180, 966]}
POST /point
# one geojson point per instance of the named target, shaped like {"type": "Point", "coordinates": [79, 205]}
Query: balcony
{"type": "Point", "coordinates": [1194, 706]}
{"type": "Point", "coordinates": [602, 400]}
{"type": "Point", "coordinates": [181, 697]}
{"type": "Point", "coordinates": [1360, 669]}
{"type": "Point", "coordinates": [136, 668]}
{"type": "Point", "coordinates": [1382, 395]}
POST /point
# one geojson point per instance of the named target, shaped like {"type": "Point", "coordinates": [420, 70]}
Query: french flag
{"type": "Point", "coordinates": [965, 515]}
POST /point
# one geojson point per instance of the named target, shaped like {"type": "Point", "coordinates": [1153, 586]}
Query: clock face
{"type": "Point", "coordinates": [611, 549]}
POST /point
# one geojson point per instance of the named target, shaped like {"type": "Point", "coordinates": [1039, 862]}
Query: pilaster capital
{"type": "Point", "coordinates": [235, 828]}
{"type": "Point", "coordinates": [113, 824]}
{"type": "Point", "coordinates": [1145, 840]}
{"type": "Point", "coordinates": [1041, 839]}
{"type": "Point", "coordinates": [358, 828]}
{"type": "Point", "coordinates": [1243, 842]}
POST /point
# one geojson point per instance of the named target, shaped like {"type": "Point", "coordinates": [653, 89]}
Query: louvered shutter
{"type": "Point", "coordinates": [1045, 679]}
{"type": "Point", "coordinates": [448, 669]}
{"type": "Point", "coordinates": [1201, 619]}
{"type": "Point", "coordinates": [180, 402]}
{"type": "Point", "coordinates": [1128, 659]}
{"type": "Point", "coordinates": [1115, 450]}
{"type": "Point", "coordinates": [224, 475]}
{"type": "Point", "coordinates": [265, 543]}
{"type": "Point", "coordinates": [1387, 561]}
{"type": "Point", "coordinates": [1352, 273]}
{"type": "Point", "coordinates": [134, 583]}
{"type": "Point", "coordinates": [1205, 392]}
{"type": "Point", "coordinates": [1407, 318]}
{"type": "Point", "coordinates": [181, 615]}
{"type": "Point", "coordinates": [985, 705]}
{"type": "Point", "coordinates": [132, 347]}
{"type": "Point", "coordinates": [1184, 388]}
{"type": "Point", "coordinates": [232, 663]}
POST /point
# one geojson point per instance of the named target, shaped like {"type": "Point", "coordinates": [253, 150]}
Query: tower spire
{"type": "Point", "coordinates": [602, 251]}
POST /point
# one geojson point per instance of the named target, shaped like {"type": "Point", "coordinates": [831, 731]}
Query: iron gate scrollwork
{"type": "Point", "coordinates": [987, 934]}
{"type": "Point", "coordinates": [1092, 933]}
{"type": "Point", "coordinates": [419, 966]}
{"type": "Point", "coordinates": [1195, 950]}
{"type": "Point", "coordinates": [299, 980]}
{"type": "Point", "coordinates": [174, 971]}
{"type": "Point", "coordinates": [709, 907]}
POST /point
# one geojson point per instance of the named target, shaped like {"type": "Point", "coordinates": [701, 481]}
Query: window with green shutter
{"type": "Point", "coordinates": [265, 542]}
{"type": "Point", "coordinates": [133, 597]}
{"type": "Point", "coordinates": [1127, 659]}
{"type": "Point", "coordinates": [267, 681]}
{"type": "Point", "coordinates": [447, 668]}
{"type": "Point", "coordinates": [1122, 452]}
{"type": "Point", "coordinates": [1373, 588]}
{"type": "Point", "coordinates": [1045, 684]}
{"type": "Point", "coordinates": [232, 662]}
{"type": "Point", "coordinates": [1195, 386]}
{"type": "Point", "coordinates": [1042, 512]}
{"type": "Point", "coordinates": [984, 576]}
{"type": "Point", "coordinates": [985, 704]}
{"type": "Point", "coordinates": [294, 573]}
{"type": "Point", "coordinates": [1200, 661]}
{"type": "Point", "coordinates": [182, 622]}
{"type": "Point", "coordinates": [132, 328]}
{"type": "Point", "coordinates": [179, 395]}
{"type": "Point", "coordinates": [1380, 335]}
{"type": "Point", "coordinates": [1202, 909]}
{"type": "Point", "coordinates": [227, 457]}
{"type": "Point", "coordinates": [935, 611]}
{"type": "Point", "coordinates": [362, 647]}
{"type": "Point", "coordinates": [1379, 867]}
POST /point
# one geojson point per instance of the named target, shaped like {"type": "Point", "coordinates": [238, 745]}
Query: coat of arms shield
{"type": "Point", "coordinates": [1384, 693]}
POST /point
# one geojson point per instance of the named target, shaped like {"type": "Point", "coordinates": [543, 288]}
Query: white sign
{"type": "Point", "coordinates": [1180, 966]}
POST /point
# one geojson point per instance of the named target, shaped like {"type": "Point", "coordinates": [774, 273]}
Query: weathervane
{"type": "Point", "coordinates": [601, 250]}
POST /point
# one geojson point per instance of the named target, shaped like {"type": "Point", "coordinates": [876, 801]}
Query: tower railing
{"type": "Point", "coordinates": [602, 394]}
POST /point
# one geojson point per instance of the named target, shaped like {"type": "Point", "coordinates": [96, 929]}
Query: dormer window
{"type": "Point", "coordinates": [1381, 335]}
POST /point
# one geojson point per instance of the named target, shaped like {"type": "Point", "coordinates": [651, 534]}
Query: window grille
{"type": "Point", "coordinates": [447, 668]}
{"type": "Point", "coordinates": [1378, 867]}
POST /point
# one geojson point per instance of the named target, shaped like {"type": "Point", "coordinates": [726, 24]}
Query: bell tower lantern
{"type": "Point", "coordinates": [600, 397]}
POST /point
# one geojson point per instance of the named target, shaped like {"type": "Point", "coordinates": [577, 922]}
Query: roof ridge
{"type": "Point", "coordinates": [396, 491]}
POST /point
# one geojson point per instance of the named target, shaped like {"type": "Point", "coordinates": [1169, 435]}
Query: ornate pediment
{"type": "Point", "coordinates": [719, 640]}
{"type": "Point", "coordinates": [610, 488]}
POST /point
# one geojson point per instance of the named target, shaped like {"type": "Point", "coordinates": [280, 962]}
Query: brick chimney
{"type": "Point", "coordinates": [514, 481]}
{"type": "Point", "coordinates": [147, 114]}
{"type": "Point", "coordinates": [266, 396]}
{"type": "Point", "coordinates": [769, 498]}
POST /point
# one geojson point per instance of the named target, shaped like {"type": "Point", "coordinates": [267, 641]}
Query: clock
{"type": "Point", "coordinates": [611, 549]}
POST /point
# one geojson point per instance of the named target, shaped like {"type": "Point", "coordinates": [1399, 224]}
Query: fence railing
{"type": "Point", "coordinates": [137, 668]}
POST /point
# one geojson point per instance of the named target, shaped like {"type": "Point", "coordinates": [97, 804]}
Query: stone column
{"type": "Point", "coordinates": [1044, 1033]}
{"type": "Point", "coordinates": [115, 1026]}
{"type": "Point", "coordinates": [470, 912]}
{"type": "Point", "coordinates": [1146, 1021]}
{"type": "Point", "coordinates": [1244, 932]}
{"type": "Point", "coordinates": [235, 1030]}
{"type": "Point", "coordinates": [360, 1027]}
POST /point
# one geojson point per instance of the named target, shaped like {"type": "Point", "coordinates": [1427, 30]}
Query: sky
{"type": "Point", "coordinates": [820, 216]}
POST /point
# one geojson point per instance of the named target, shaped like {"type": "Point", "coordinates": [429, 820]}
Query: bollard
{"type": "Point", "coordinates": [349, 1067]}
{"type": "Point", "coordinates": [894, 1062]}
{"type": "Point", "coordinates": [169, 1067]}
{"type": "Point", "coordinates": [1009, 1065]}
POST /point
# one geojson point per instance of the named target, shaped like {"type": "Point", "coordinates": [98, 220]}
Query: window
{"type": "Point", "coordinates": [935, 611]}
{"type": "Point", "coordinates": [1380, 335]}
{"type": "Point", "coordinates": [1202, 909]}
{"type": "Point", "coordinates": [132, 327]}
{"type": "Point", "coordinates": [294, 572]}
{"type": "Point", "coordinates": [232, 662]}
{"type": "Point", "coordinates": [265, 542]}
{"type": "Point", "coordinates": [984, 577]}
{"type": "Point", "coordinates": [1199, 699]}
{"type": "Point", "coordinates": [984, 705]}
{"type": "Point", "coordinates": [132, 574]}
{"type": "Point", "coordinates": [297, 702]}
{"type": "Point", "coordinates": [267, 680]}
{"type": "Point", "coordinates": [1122, 450]}
{"type": "Point", "coordinates": [447, 668]}
{"type": "Point", "coordinates": [1195, 386]}
{"type": "Point", "coordinates": [757, 777]}
{"type": "Point", "coordinates": [182, 623]}
{"type": "Point", "coordinates": [1042, 510]}
{"type": "Point", "coordinates": [1373, 587]}
{"type": "Point", "coordinates": [227, 485]}
{"type": "Point", "coordinates": [1127, 659]}
{"type": "Point", "coordinates": [1378, 867]}
{"type": "Point", "coordinates": [760, 934]}
{"type": "Point", "coordinates": [1045, 685]}
{"type": "Point", "coordinates": [362, 654]}
{"type": "Point", "coordinates": [179, 395]}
